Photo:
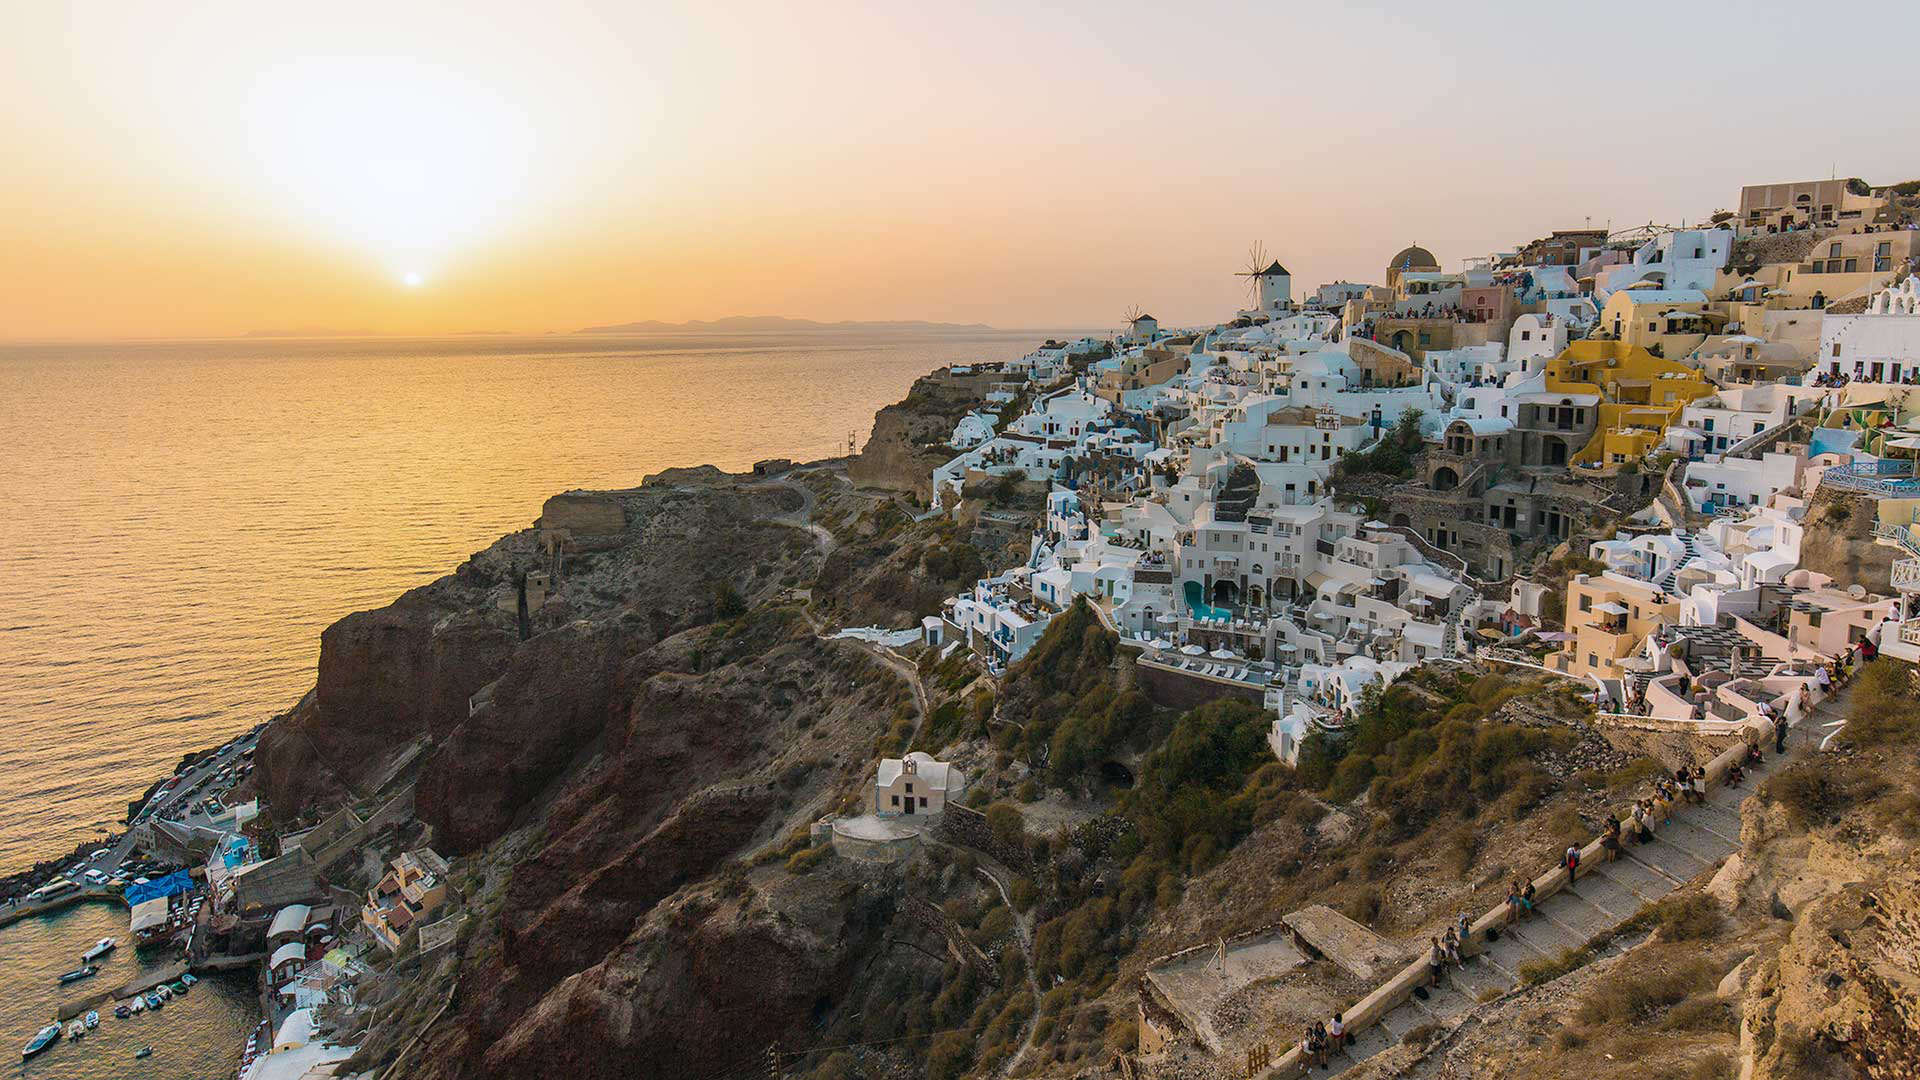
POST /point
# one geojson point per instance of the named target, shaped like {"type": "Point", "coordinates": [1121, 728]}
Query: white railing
{"type": "Point", "coordinates": [1906, 575]}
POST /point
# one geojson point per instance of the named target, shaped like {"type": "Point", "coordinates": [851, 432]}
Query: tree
{"type": "Point", "coordinates": [1009, 828]}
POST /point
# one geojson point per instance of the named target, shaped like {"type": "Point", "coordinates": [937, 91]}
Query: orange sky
{"type": "Point", "coordinates": [237, 168]}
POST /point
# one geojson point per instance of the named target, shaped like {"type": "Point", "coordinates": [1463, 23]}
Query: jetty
{"type": "Point", "coordinates": [14, 913]}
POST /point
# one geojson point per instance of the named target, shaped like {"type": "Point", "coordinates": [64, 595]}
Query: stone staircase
{"type": "Point", "coordinates": [1605, 896]}
{"type": "Point", "coordinates": [1688, 550]}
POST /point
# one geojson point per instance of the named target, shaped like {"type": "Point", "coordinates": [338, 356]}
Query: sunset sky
{"type": "Point", "coordinates": [399, 167]}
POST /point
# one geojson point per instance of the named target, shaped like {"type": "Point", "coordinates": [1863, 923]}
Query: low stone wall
{"type": "Point", "coordinates": [968, 827]}
{"type": "Point", "coordinates": [1175, 689]}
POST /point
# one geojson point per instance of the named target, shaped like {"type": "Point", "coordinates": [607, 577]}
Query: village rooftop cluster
{"type": "Point", "coordinates": [1328, 489]}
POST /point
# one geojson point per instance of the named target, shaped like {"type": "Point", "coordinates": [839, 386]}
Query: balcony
{"type": "Point", "coordinates": [1906, 576]}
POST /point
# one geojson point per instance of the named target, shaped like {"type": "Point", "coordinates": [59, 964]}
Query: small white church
{"type": "Point", "coordinates": [916, 785]}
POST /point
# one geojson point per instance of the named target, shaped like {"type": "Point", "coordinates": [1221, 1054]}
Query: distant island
{"type": "Point", "coordinates": [773, 322]}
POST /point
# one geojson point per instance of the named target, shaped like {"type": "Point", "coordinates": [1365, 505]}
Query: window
{"type": "Point", "coordinates": [896, 800]}
{"type": "Point", "coordinates": [1832, 250]}
{"type": "Point", "coordinates": [909, 789]}
{"type": "Point", "coordinates": [923, 801]}
{"type": "Point", "coordinates": [1852, 265]}
{"type": "Point", "coordinates": [1586, 603]}
{"type": "Point", "coordinates": [1836, 348]}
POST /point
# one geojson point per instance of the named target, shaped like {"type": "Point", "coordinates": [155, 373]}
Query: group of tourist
{"type": "Point", "coordinates": [1322, 1040]}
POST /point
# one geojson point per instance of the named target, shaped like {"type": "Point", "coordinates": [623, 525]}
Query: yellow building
{"type": "Point", "coordinates": [1669, 322]}
{"type": "Point", "coordinates": [1609, 616]}
{"type": "Point", "coordinates": [1640, 394]}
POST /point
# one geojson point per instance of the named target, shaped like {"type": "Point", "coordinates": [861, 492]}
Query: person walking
{"type": "Point", "coordinates": [1436, 962]}
{"type": "Point", "coordinates": [1780, 729]}
{"type": "Point", "coordinates": [1572, 861]}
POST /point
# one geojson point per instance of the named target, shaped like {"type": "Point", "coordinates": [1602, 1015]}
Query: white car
{"type": "Point", "coordinates": [100, 853]}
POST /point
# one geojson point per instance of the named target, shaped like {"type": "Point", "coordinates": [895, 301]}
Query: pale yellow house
{"type": "Point", "coordinates": [1609, 615]}
{"type": "Point", "coordinates": [1667, 322]}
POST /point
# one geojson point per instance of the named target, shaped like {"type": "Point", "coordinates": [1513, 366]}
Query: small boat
{"type": "Point", "coordinates": [139, 1005]}
{"type": "Point", "coordinates": [93, 1019]}
{"type": "Point", "coordinates": [165, 992]}
{"type": "Point", "coordinates": [47, 1037]}
{"type": "Point", "coordinates": [75, 1030]}
{"type": "Point", "coordinates": [145, 1051]}
{"type": "Point", "coordinates": [179, 989]}
{"type": "Point", "coordinates": [189, 978]}
{"type": "Point", "coordinates": [122, 1011]}
{"type": "Point", "coordinates": [85, 971]}
{"type": "Point", "coordinates": [154, 1001]}
{"type": "Point", "coordinates": [101, 948]}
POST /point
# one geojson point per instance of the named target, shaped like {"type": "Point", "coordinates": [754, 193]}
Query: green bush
{"type": "Point", "coordinates": [803, 862]}
{"type": "Point", "coordinates": [1691, 917]}
{"type": "Point", "coordinates": [1009, 828]}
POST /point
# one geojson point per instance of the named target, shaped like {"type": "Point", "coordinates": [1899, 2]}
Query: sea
{"type": "Point", "coordinates": [180, 520]}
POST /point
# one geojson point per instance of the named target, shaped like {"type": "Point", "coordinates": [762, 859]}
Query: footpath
{"type": "Point", "coordinates": [1605, 896]}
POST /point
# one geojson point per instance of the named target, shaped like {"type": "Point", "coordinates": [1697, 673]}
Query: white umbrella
{"type": "Point", "coordinates": [1193, 650]}
{"type": "Point", "coordinates": [1223, 654]}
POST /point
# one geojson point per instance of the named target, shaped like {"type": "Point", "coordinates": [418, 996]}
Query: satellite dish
{"type": "Point", "coordinates": [1858, 592]}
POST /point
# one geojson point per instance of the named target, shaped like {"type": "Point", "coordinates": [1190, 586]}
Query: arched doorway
{"type": "Point", "coordinates": [1224, 593]}
{"type": "Point", "coordinates": [1401, 520]}
{"type": "Point", "coordinates": [1556, 452]}
{"type": "Point", "coordinates": [1403, 340]}
{"type": "Point", "coordinates": [1445, 479]}
{"type": "Point", "coordinates": [1254, 596]}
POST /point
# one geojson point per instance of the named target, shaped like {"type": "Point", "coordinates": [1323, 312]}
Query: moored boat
{"type": "Point", "coordinates": [47, 1037]}
{"type": "Point", "coordinates": [154, 1001]}
{"type": "Point", "coordinates": [122, 1011]}
{"type": "Point", "coordinates": [145, 1051]}
{"type": "Point", "coordinates": [165, 992]}
{"type": "Point", "coordinates": [178, 988]}
{"type": "Point", "coordinates": [100, 948]}
{"type": "Point", "coordinates": [93, 1019]}
{"type": "Point", "coordinates": [139, 1004]}
{"type": "Point", "coordinates": [75, 1030]}
{"type": "Point", "coordinates": [85, 971]}
{"type": "Point", "coordinates": [189, 978]}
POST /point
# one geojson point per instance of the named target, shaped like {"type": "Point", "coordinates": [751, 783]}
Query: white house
{"type": "Point", "coordinates": [1880, 346]}
{"type": "Point", "coordinates": [915, 784]}
{"type": "Point", "coordinates": [1684, 259]}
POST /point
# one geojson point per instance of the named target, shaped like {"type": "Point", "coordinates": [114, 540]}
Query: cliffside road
{"type": "Point", "coordinates": [803, 517]}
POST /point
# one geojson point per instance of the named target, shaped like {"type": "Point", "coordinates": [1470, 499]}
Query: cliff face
{"type": "Point", "coordinates": [1839, 540]}
{"type": "Point", "coordinates": [909, 438]}
{"type": "Point", "coordinates": [406, 672]}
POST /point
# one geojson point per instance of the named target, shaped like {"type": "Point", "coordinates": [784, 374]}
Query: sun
{"type": "Point", "coordinates": [412, 279]}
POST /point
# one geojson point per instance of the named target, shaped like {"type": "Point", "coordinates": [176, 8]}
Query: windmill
{"type": "Point", "coordinates": [1269, 286]}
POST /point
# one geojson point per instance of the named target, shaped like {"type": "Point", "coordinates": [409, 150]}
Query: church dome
{"type": "Point", "coordinates": [1415, 259]}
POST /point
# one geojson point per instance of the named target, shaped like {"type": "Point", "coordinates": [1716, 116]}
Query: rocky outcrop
{"type": "Point", "coordinates": [1839, 540]}
{"type": "Point", "coordinates": [703, 987]}
{"type": "Point", "coordinates": [909, 438]}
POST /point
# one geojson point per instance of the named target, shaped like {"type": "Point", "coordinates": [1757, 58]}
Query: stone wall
{"type": "Point", "coordinates": [1839, 540]}
{"type": "Point", "coordinates": [968, 828]}
{"type": "Point", "coordinates": [1181, 690]}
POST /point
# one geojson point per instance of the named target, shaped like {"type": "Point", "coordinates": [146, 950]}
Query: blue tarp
{"type": "Point", "coordinates": [177, 882]}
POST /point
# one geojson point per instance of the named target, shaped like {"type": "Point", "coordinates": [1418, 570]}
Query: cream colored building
{"type": "Point", "coordinates": [1817, 202]}
{"type": "Point", "coordinates": [1609, 615]}
{"type": "Point", "coordinates": [915, 784]}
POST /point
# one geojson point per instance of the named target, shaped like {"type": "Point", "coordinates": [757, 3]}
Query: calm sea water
{"type": "Point", "coordinates": [197, 1037]}
{"type": "Point", "coordinates": [179, 521]}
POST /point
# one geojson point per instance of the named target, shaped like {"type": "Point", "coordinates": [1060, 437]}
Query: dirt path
{"type": "Point", "coordinates": [1023, 935]}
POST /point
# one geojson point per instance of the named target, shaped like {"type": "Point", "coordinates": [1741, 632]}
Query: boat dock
{"type": "Point", "coordinates": [13, 913]}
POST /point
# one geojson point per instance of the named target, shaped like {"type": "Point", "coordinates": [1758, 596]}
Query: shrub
{"type": "Point", "coordinates": [1535, 972]}
{"type": "Point", "coordinates": [1689, 917]}
{"type": "Point", "coordinates": [1009, 828]}
{"type": "Point", "coordinates": [949, 1056]}
{"type": "Point", "coordinates": [1639, 996]}
{"type": "Point", "coordinates": [1702, 1013]}
{"type": "Point", "coordinates": [727, 602]}
{"type": "Point", "coordinates": [803, 862]}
